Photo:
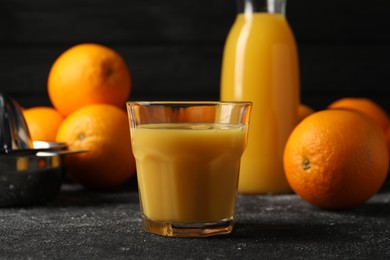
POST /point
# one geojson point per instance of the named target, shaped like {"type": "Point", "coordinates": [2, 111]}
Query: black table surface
{"type": "Point", "coordinates": [81, 223]}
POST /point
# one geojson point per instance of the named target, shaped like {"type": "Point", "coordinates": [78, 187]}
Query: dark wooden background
{"type": "Point", "coordinates": [174, 48]}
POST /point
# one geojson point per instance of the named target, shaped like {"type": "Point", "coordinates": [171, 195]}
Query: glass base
{"type": "Point", "coordinates": [188, 229]}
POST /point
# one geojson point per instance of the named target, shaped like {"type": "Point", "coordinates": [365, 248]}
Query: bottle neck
{"type": "Point", "coordinates": [267, 6]}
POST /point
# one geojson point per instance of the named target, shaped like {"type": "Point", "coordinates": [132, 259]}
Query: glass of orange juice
{"type": "Point", "coordinates": [188, 160]}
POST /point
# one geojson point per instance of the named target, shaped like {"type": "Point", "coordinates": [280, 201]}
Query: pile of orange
{"type": "Point", "coordinates": [338, 158]}
{"type": "Point", "coordinates": [88, 85]}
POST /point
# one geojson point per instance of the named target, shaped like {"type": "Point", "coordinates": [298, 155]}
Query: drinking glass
{"type": "Point", "coordinates": [188, 160]}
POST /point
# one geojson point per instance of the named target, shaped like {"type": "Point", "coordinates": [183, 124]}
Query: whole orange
{"type": "Point", "coordinates": [87, 74]}
{"type": "Point", "coordinates": [388, 139]}
{"type": "Point", "coordinates": [304, 111]}
{"type": "Point", "coordinates": [104, 131]}
{"type": "Point", "coordinates": [336, 159]}
{"type": "Point", "coordinates": [365, 106]}
{"type": "Point", "coordinates": [43, 122]}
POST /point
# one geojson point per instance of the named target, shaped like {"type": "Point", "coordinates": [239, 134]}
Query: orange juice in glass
{"type": "Point", "coordinates": [260, 64]}
{"type": "Point", "coordinates": [188, 159]}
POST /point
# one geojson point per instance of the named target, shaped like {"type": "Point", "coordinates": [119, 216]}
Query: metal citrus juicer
{"type": "Point", "coordinates": [30, 171]}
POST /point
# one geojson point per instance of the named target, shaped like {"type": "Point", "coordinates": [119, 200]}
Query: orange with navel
{"type": "Point", "coordinates": [365, 106]}
{"type": "Point", "coordinates": [43, 122]}
{"type": "Point", "coordinates": [336, 159]}
{"type": "Point", "coordinates": [104, 131]}
{"type": "Point", "coordinates": [87, 74]}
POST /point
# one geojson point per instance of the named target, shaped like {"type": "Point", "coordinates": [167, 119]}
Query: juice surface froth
{"type": "Point", "coordinates": [188, 173]}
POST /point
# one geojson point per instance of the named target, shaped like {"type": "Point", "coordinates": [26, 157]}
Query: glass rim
{"type": "Point", "coordinates": [189, 102]}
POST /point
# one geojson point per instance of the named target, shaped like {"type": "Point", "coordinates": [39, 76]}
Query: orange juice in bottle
{"type": "Point", "coordinates": [260, 64]}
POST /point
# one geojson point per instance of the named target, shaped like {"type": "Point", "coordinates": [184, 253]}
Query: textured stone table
{"type": "Point", "coordinates": [91, 224]}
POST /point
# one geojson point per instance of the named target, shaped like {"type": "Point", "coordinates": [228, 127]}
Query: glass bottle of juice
{"type": "Point", "coordinates": [260, 64]}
